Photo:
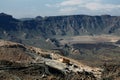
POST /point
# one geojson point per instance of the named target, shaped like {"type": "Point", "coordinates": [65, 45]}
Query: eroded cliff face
{"type": "Point", "coordinates": [17, 59]}
{"type": "Point", "coordinates": [44, 27]}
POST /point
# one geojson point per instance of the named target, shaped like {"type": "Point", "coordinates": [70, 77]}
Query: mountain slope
{"type": "Point", "coordinates": [18, 59]}
{"type": "Point", "coordinates": [35, 31]}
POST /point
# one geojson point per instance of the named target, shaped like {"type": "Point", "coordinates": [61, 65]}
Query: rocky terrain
{"type": "Point", "coordinates": [76, 47]}
{"type": "Point", "coordinates": [28, 63]}
{"type": "Point", "coordinates": [35, 31]}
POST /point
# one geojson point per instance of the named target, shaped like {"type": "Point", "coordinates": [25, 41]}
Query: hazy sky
{"type": "Point", "coordinates": [32, 8]}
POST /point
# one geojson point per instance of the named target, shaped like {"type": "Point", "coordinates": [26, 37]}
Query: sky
{"type": "Point", "coordinates": [33, 8]}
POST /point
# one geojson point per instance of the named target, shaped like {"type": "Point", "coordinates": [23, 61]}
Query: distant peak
{"type": "Point", "coordinates": [4, 14]}
{"type": "Point", "coordinates": [39, 18]}
{"type": "Point", "coordinates": [106, 15]}
{"type": "Point", "coordinates": [5, 17]}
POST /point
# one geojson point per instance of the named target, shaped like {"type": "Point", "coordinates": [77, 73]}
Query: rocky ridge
{"type": "Point", "coordinates": [49, 58]}
{"type": "Point", "coordinates": [36, 29]}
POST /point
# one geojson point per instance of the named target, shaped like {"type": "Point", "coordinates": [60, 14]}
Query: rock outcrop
{"type": "Point", "coordinates": [32, 57]}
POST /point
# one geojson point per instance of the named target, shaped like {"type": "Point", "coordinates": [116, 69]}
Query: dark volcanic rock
{"type": "Point", "coordinates": [63, 25]}
{"type": "Point", "coordinates": [44, 27]}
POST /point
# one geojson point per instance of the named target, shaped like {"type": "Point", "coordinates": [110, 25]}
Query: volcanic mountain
{"type": "Point", "coordinates": [39, 28]}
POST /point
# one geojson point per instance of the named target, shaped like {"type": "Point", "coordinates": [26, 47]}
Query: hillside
{"type": "Point", "coordinates": [21, 62]}
{"type": "Point", "coordinates": [26, 62]}
{"type": "Point", "coordinates": [38, 29]}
